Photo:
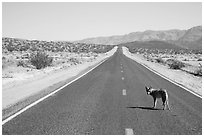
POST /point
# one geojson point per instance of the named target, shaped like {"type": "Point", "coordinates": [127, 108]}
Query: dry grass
{"type": "Point", "coordinates": [185, 60]}
{"type": "Point", "coordinates": [15, 66]}
{"type": "Point", "coordinates": [189, 76]}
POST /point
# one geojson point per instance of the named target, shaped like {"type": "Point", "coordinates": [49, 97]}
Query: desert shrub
{"type": "Point", "coordinates": [40, 60]}
{"type": "Point", "coordinates": [198, 72]}
{"type": "Point", "coordinates": [150, 59]}
{"type": "Point", "coordinates": [3, 58]}
{"type": "Point", "coordinates": [3, 66]}
{"type": "Point", "coordinates": [175, 64]}
{"type": "Point", "coordinates": [159, 60]}
{"type": "Point", "coordinates": [200, 59]}
{"type": "Point", "coordinates": [185, 60]}
{"type": "Point", "coordinates": [21, 63]}
{"type": "Point", "coordinates": [169, 61]}
{"type": "Point", "coordinates": [10, 47]}
{"type": "Point", "coordinates": [3, 62]}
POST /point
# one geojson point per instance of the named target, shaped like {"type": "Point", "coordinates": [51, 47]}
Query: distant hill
{"type": "Point", "coordinates": [151, 45]}
{"type": "Point", "coordinates": [137, 36]}
{"type": "Point", "coordinates": [191, 38]}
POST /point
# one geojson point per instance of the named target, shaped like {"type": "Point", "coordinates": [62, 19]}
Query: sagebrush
{"type": "Point", "coordinates": [160, 60]}
{"type": "Point", "coordinates": [40, 60]}
{"type": "Point", "coordinates": [175, 64]}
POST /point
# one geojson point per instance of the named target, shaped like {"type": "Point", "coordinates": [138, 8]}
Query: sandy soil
{"type": "Point", "coordinates": [19, 83]}
{"type": "Point", "coordinates": [188, 80]}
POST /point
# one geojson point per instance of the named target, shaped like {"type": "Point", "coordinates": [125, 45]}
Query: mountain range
{"type": "Point", "coordinates": [189, 39]}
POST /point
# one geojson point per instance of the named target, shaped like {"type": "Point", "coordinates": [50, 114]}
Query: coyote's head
{"type": "Point", "coordinates": [148, 90]}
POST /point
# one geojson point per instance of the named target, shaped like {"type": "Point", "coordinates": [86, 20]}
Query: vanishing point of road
{"type": "Point", "coordinates": [111, 100]}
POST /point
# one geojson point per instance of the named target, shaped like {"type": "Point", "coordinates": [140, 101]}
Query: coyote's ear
{"type": "Point", "coordinates": [147, 88]}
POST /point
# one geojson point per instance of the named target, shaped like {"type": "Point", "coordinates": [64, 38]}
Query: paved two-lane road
{"type": "Point", "coordinates": [111, 99]}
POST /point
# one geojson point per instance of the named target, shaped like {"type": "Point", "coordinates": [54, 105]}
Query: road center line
{"type": "Point", "coordinates": [124, 92]}
{"type": "Point", "coordinates": [129, 131]}
{"type": "Point", "coordinates": [123, 78]}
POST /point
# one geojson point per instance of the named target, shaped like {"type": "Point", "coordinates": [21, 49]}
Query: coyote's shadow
{"type": "Point", "coordinates": [147, 108]}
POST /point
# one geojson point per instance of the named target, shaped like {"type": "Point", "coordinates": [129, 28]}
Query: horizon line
{"type": "Point", "coordinates": [104, 36]}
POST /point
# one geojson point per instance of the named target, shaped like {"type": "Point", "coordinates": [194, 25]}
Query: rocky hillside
{"type": "Point", "coordinates": [152, 45]}
{"type": "Point", "coordinates": [192, 34]}
{"type": "Point", "coordinates": [13, 44]}
{"type": "Point", "coordinates": [190, 38]}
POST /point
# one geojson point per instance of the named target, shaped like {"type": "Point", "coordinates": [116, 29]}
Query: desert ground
{"type": "Point", "coordinates": [189, 73]}
{"type": "Point", "coordinates": [22, 80]}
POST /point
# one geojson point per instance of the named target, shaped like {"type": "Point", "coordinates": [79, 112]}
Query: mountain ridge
{"type": "Point", "coordinates": [190, 38]}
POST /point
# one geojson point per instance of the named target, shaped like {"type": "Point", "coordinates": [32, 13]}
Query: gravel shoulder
{"type": "Point", "coordinates": [187, 80]}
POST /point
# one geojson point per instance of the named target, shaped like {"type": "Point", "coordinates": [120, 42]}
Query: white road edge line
{"type": "Point", "coordinates": [129, 131]}
{"type": "Point", "coordinates": [41, 99]}
{"type": "Point", "coordinates": [169, 80]}
{"type": "Point", "coordinates": [173, 82]}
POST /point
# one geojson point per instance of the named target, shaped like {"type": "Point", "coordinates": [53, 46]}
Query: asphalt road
{"type": "Point", "coordinates": [111, 99]}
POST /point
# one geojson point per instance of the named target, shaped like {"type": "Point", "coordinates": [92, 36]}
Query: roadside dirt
{"type": "Point", "coordinates": [190, 81]}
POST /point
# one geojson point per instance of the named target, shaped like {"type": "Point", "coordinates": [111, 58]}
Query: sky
{"type": "Point", "coordinates": [76, 21]}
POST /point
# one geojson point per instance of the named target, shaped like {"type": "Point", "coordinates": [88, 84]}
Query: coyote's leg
{"type": "Point", "coordinates": [164, 102]}
{"type": "Point", "coordinates": [167, 103]}
{"type": "Point", "coordinates": [155, 102]}
{"type": "Point", "coordinates": [164, 106]}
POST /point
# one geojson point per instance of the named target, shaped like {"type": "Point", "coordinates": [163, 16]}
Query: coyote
{"type": "Point", "coordinates": [158, 93]}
